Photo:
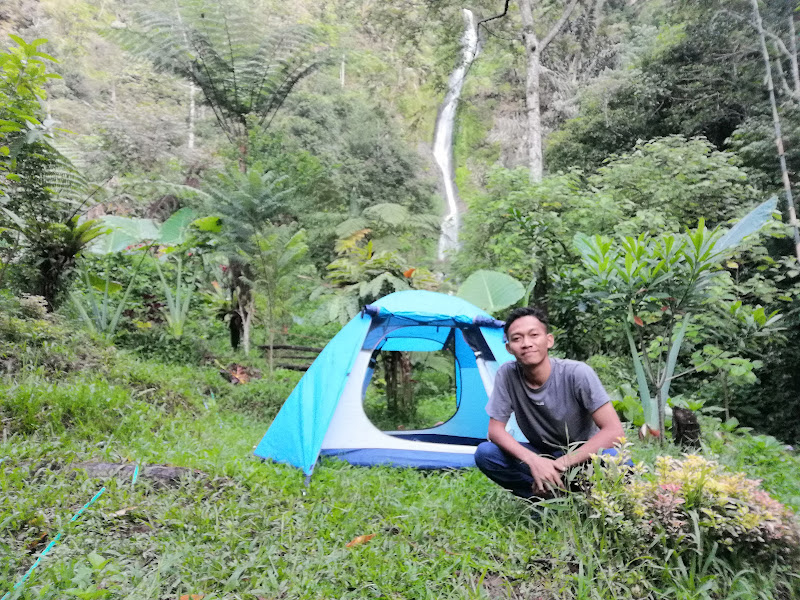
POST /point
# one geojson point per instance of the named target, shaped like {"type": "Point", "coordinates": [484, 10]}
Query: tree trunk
{"type": "Point", "coordinates": [532, 97]}
{"type": "Point", "coordinates": [243, 157]}
{"type": "Point", "coordinates": [400, 401]}
{"type": "Point", "coordinates": [248, 311]}
{"type": "Point", "coordinates": [192, 115]}
{"type": "Point", "coordinates": [271, 337]}
{"type": "Point", "coordinates": [390, 368]}
{"type": "Point", "coordinates": [534, 48]}
{"type": "Point", "coordinates": [408, 407]}
{"type": "Point", "coordinates": [241, 303]}
{"type": "Point", "coordinates": [787, 186]}
{"type": "Point", "coordinates": [532, 91]}
{"type": "Point", "coordinates": [793, 55]}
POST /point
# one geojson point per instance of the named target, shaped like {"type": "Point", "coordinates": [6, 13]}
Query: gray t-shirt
{"type": "Point", "coordinates": [556, 414]}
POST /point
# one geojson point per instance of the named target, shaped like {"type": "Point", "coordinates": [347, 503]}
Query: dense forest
{"type": "Point", "coordinates": [196, 196]}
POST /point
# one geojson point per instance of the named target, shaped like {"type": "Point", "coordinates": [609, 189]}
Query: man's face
{"type": "Point", "coordinates": [528, 341]}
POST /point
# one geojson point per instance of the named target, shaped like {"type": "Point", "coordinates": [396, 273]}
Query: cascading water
{"type": "Point", "coordinates": [443, 136]}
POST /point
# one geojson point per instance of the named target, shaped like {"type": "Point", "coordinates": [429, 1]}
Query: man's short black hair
{"type": "Point", "coordinates": [527, 311]}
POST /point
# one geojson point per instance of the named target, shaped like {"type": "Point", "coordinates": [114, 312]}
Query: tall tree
{"type": "Point", "coordinates": [534, 47]}
{"type": "Point", "coordinates": [244, 65]}
{"type": "Point", "coordinates": [787, 186]}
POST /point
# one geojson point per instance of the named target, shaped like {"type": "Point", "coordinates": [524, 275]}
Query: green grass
{"type": "Point", "coordinates": [431, 410]}
{"type": "Point", "coordinates": [240, 528]}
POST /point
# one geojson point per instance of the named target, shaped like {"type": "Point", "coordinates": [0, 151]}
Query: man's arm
{"type": "Point", "coordinates": [607, 420]}
{"type": "Point", "coordinates": [544, 470]}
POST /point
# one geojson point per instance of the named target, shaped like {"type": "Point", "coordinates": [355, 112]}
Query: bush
{"type": "Point", "coordinates": [690, 500]}
{"type": "Point", "coordinates": [153, 343]}
{"type": "Point", "coordinates": [29, 342]}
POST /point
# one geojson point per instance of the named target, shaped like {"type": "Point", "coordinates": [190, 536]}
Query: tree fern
{"type": "Point", "coordinates": [245, 67]}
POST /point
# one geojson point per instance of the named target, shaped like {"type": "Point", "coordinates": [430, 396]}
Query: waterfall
{"type": "Point", "coordinates": [443, 136]}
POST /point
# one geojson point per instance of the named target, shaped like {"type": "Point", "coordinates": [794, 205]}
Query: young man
{"type": "Point", "coordinates": [556, 402]}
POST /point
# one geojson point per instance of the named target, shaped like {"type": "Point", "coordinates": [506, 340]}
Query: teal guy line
{"type": "Point", "coordinates": [135, 475]}
{"type": "Point", "coordinates": [33, 566]}
{"type": "Point", "coordinates": [88, 504]}
{"type": "Point", "coordinates": [51, 544]}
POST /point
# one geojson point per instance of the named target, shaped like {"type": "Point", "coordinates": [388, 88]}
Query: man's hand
{"type": "Point", "coordinates": [546, 473]}
{"type": "Point", "coordinates": [562, 463]}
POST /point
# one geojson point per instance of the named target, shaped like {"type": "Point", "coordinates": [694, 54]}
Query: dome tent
{"type": "Point", "coordinates": [324, 414]}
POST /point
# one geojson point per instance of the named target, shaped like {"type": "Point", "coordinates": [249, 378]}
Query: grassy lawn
{"type": "Point", "coordinates": [235, 527]}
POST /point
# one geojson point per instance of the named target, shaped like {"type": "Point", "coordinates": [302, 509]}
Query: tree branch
{"type": "Point", "coordinates": [502, 14]}
{"type": "Point", "coordinates": [554, 31]}
{"type": "Point", "coordinates": [793, 54]}
{"type": "Point", "coordinates": [784, 84]}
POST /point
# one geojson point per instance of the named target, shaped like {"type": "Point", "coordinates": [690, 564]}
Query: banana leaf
{"type": "Point", "coordinates": [491, 290]}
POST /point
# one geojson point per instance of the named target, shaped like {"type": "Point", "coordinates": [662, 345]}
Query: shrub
{"type": "Point", "coordinates": [153, 343]}
{"type": "Point", "coordinates": [690, 500]}
{"type": "Point", "coordinates": [33, 307]}
{"type": "Point", "coordinates": [28, 342]}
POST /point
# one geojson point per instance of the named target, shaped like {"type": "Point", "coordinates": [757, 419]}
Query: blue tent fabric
{"type": "Point", "coordinates": [471, 419]}
{"type": "Point", "coordinates": [411, 321]}
{"type": "Point", "coordinates": [296, 434]}
{"type": "Point", "coordinates": [368, 457]}
{"type": "Point", "coordinates": [423, 302]}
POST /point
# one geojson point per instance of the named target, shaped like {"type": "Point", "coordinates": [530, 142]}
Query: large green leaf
{"type": "Point", "coordinates": [672, 358]}
{"type": "Point", "coordinates": [350, 226]}
{"type": "Point", "coordinates": [124, 232]}
{"type": "Point", "coordinates": [209, 224]}
{"type": "Point", "coordinates": [114, 240]}
{"type": "Point", "coordinates": [100, 283]}
{"type": "Point", "coordinates": [648, 403]}
{"type": "Point", "coordinates": [491, 290]}
{"type": "Point", "coordinates": [175, 230]}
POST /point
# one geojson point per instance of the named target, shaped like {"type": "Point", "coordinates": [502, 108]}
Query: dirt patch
{"type": "Point", "coordinates": [163, 474]}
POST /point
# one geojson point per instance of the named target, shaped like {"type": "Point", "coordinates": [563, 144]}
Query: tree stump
{"type": "Point", "coordinates": [685, 428]}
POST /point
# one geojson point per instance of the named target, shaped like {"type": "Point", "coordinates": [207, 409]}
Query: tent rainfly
{"type": "Point", "coordinates": [324, 415]}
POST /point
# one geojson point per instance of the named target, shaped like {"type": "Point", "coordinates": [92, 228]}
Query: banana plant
{"type": "Point", "coordinates": [659, 284]}
{"type": "Point", "coordinates": [97, 307]}
{"type": "Point", "coordinates": [175, 239]}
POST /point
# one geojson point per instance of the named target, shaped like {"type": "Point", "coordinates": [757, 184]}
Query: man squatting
{"type": "Point", "coordinates": [557, 402]}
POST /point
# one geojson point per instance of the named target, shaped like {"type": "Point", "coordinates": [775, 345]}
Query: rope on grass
{"type": "Point", "coordinates": [88, 504]}
{"type": "Point", "coordinates": [50, 546]}
{"type": "Point", "coordinates": [135, 475]}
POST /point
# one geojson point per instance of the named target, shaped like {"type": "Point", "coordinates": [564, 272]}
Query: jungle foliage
{"type": "Point", "coordinates": [188, 188]}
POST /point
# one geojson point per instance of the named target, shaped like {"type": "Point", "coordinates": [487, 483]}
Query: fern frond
{"type": "Point", "coordinates": [389, 213]}
{"type": "Point", "coordinates": [351, 226]}
{"type": "Point", "coordinates": [243, 64]}
{"type": "Point", "coordinates": [350, 242]}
